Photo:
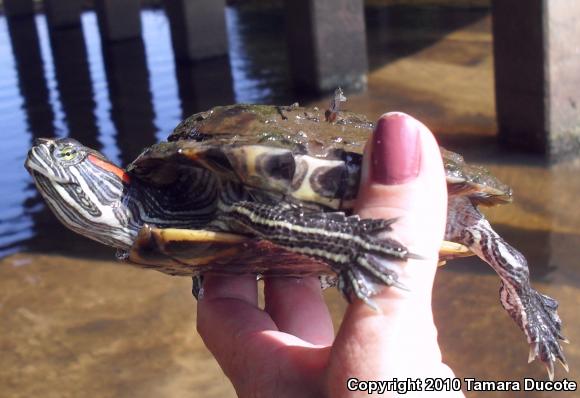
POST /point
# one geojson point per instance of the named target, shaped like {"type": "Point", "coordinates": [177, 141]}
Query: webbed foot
{"type": "Point", "coordinates": [539, 320]}
{"type": "Point", "coordinates": [365, 278]}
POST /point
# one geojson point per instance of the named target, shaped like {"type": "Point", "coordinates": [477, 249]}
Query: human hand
{"type": "Point", "coordinates": [289, 348]}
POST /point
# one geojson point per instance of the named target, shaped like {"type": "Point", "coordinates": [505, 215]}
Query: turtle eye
{"type": "Point", "coordinates": [67, 153]}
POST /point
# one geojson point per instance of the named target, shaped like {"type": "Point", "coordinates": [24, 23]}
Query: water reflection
{"type": "Point", "coordinates": [258, 55]}
{"type": "Point", "coordinates": [18, 194]}
{"type": "Point", "coordinates": [74, 84]}
{"type": "Point", "coordinates": [31, 79]}
{"type": "Point", "coordinates": [130, 96]}
{"type": "Point", "coordinates": [203, 85]}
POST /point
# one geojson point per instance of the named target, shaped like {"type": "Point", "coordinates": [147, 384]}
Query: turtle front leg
{"type": "Point", "coordinates": [356, 249]}
{"type": "Point", "coordinates": [535, 313]}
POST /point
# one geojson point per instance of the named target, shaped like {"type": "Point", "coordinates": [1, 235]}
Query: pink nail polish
{"type": "Point", "coordinates": [396, 155]}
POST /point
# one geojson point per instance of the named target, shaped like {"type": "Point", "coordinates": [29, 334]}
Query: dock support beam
{"type": "Point", "coordinates": [537, 79]}
{"type": "Point", "coordinates": [63, 13]}
{"type": "Point", "coordinates": [119, 19]}
{"type": "Point", "coordinates": [327, 44]}
{"type": "Point", "coordinates": [198, 28]}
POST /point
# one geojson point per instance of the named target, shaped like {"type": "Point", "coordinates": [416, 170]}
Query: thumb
{"type": "Point", "coordinates": [402, 178]}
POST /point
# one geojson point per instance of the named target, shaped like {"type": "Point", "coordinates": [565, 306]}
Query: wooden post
{"type": "Point", "coordinates": [63, 13]}
{"type": "Point", "coordinates": [327, 44]}
{"type": "Point", "coordinates": [18, 8]}
{"type": "Point", "coordinates": [537, 72]}
{"type": "Point", "coordinates": [119, 19]}
{"type": "Point", "coordinates": [198, 28]}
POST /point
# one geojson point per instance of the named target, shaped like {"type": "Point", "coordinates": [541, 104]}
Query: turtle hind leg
{"type": "Point", "coordinates": [534, 313]}
{"type": "Point", "coordinates": [542, 328]}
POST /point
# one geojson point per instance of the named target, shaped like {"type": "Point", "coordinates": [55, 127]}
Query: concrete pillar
{"type": "Point", "coordinates": [63, 13]}
{"type": "Point", "coordinates": [198, 28]}
{"type": "Point", "coordinates": [537, 79]}
{"type": "Point", "coordinates": [119, 19]}
{"type": "Point", "coordinates": [327, 44]}
{"type": "Point", "coordinates": [18, 8]}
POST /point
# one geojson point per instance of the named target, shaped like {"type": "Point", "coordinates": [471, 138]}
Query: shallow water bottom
{"type": "Point", "coordinates": [76, 327]}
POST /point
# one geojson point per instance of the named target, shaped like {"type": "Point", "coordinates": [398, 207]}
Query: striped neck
{"type": "Point", "coordinates": [99, 200]}
{"type": "Point", "coordinates": [86, 192]}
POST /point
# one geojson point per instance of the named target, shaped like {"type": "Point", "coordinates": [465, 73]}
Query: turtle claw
{"type": "Point", "coordinates": [401, 286]}
{"type": "Point", "coordinates": [549, 363]}
{"type": "Point", "coordinates": [550, 369]}
{"type": "Point", "coordinates": [382, 269]}
{"type": "Point", "coordinates": [353, 283]}
{"type": "Point", "coordinates": [414, 256]}
{"type": "Point", "coordinates": [197, 287]}
{"type": "Point", "coordinates": [371, 303]}
{"type": "Point", "coordinates": [564, 364]}
{"type": "Point", "coordinates": [540, 322]}
{"type": "Point", "coordinates": [533, 352]}
{"type": "Point", "coordinates": [365, 280]}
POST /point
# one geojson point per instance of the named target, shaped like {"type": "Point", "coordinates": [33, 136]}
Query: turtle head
{"type": "Point", "coordinates": [83, 189]}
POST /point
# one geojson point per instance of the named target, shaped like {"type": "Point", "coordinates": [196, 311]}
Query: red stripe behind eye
{"type": "Point", "coordinates": [110, 167]}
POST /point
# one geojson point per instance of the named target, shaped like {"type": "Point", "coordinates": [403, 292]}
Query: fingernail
{"type": "Point", "coordinates": [396, 155]}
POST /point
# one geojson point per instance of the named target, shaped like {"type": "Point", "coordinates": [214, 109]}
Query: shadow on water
{"type": "Point", "coordinates": [398, 31]}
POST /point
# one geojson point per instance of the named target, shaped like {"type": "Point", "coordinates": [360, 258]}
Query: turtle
{"type": "Point", "coordinates": [269, 190]}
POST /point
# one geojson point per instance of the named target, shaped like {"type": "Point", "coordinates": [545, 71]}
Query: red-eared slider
{"type": "Point", "coordinates": [269, 190]}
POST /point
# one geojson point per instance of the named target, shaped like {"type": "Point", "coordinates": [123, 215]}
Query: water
{"type": "Point", "coordinates": [75, 323]}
